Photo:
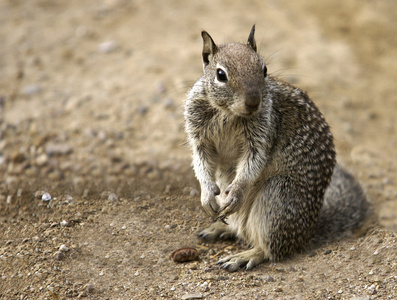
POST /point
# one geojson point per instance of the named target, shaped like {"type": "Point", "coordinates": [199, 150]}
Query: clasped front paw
{"type": "Point", "coordinates": [208, 200]}
{"type": "Point", "coordinates": [232, 202]}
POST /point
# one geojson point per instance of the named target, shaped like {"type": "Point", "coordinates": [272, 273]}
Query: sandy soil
{"type": "Point", "coordinates": [91, 102]}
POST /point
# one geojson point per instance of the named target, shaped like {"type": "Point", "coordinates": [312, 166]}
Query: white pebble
{"type": "Point", "coordinates": [113, 197]}
{"type": "Point", "coordinates": [107, 47]}
{"type": "Point", "coordinates": [46, 197]}
{"type": "Point", "coordinates": [63, 248]}
{"type": "Point", "coordinates": [63, 223]}
{"type": "Point", "coordinates": [376, 252]}
{"type": "Point", "coordinates": [136, 273]}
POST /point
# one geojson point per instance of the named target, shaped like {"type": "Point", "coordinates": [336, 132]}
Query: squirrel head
{"type": "Point", "coordinates": [234, 75]}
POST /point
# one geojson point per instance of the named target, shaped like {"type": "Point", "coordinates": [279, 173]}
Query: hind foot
{"type": "Point", "coordinates": [246, 260]}
{"type": "Point", "coordinates": [217, 230]}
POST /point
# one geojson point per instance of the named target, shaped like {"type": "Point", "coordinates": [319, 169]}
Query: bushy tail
{"type": "Point", "coordinates": [345, 208]}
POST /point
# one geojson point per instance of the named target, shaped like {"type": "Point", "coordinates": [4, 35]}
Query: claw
{"type": "Point", "coordinates": [222, 219]}
{"type": "Point", "coordinates": [202, 235]}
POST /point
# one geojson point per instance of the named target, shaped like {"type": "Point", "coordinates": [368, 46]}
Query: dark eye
{"type": "Point", "coordinates": [221, 75]}
{"type": "Point", "coordinates": [265, 71]}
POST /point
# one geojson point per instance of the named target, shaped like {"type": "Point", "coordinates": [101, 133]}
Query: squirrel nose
{"type": "Point", "coordinates": [252, 100]}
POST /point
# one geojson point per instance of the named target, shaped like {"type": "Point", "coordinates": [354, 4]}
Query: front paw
{"type": "Point", "coordinates": [208, 200]}
{"type": "Point", "coordinates": [233, 200]}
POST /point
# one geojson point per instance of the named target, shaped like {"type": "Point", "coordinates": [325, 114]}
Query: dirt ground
{"type": "Point", "coordinates": [91, 102]}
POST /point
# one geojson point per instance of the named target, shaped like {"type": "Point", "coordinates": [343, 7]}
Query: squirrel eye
{"type": "Point", "coordinates": [221, 75]}
{"type": "Point", "coordinates": [265, 71]}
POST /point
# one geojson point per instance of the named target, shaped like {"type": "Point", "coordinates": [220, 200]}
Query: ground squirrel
{"type": "Point", "coordinates": [265, 159]}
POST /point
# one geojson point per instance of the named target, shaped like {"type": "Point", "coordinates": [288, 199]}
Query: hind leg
{"type": "Point", "coordinates": [217, 230]}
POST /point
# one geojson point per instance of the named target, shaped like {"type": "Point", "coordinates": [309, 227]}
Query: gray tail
{"type": "Point", "coordinates": [345, 209]}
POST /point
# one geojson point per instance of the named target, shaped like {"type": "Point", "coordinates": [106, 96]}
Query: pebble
{"type": "Point", "coordinates": [113, 197]}
{"type": "Point", "coordinates": [63, 223]}
{"type": "Point", "coordinates": [204, 287]}
{"type": "Point", "coordinates": [107, 47]}
{"type": "Point", "coordinates": [58, 149]}
{"type": "Point", "coordinates": [63, 248]}
{"type": "Point", "coordinates": [89, 288]}
{"type": "Point", "coordinates": [326, 252]}
{"type": "Point", "coordinates": [59, 255]}
{"type": "Point", "coordinates": [42, 159]}
{"type": "Point", "coordinates": [46, 197]}
{"type": "Point", "coordinates": [192, 296]}
{"type": "Point", "coordinates": [184, 254]}
{"type": "Point", "coordinates": [167, 189]}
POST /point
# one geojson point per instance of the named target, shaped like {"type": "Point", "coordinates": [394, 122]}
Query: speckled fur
{"type": "Point", "coordinates": [264, 156]}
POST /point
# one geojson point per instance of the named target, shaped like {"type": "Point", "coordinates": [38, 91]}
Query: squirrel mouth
{"type": "Point", "coordinates": [247, 113]}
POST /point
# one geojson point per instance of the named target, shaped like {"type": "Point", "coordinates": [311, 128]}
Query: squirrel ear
{"type": "Point", "coordinates": [209, 48]}
{"type": "Point", "coordinates": [251, 39]}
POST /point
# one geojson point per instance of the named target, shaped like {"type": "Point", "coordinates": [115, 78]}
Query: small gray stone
{"type": "Point", "coordinates": [46, 197]}
{"type": "Point", "coordinates": [89, 288]}
{"type": "Point", "coordinates": [192, 296]}
{"type": "Point", "coordinates": [59, 255]}
{"type": "Point", "coordinates": [113, 197]}
{"type": "Point", "coordinates": [58, 149]}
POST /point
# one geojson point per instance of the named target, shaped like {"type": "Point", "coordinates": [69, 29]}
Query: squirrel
{"type": "Point", "coordinates": [265, 159]}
